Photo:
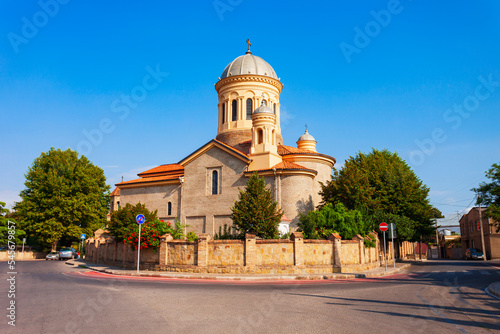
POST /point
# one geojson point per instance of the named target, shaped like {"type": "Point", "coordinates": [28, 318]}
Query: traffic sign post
{"type": "Point", "coordinates": [393, 230]}
{"type": "Point", "coordinates": [383, 227]}
{"type": "Point", "coordinates": [82, 236]}
{"type": "Point", "coordinates": [140, 219]}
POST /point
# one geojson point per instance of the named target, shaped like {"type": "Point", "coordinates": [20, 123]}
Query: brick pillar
{"type": "Point", "coordinates": [298, 248]}
{"type": "Point", "coordinates": [337, 249]}
{"type": "Point", "coordinates": [95, 256]}
{"type": "Point", "coordinates": [361, 248]}
{"type": "Point", "coordinates": [250, 250]}
{"type": "Point", "coordinates": [164, 239]}
{"type": "Point", "coordinates": [203, 239]}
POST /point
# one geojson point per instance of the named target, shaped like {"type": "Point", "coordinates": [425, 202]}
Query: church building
{"type": "Point", "coordinates": [200, 189]}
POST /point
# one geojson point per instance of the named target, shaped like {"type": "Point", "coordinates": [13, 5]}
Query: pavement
{"type": "Point", "coordinates": [376, 272]}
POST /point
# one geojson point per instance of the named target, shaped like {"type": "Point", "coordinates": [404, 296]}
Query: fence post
{"type": "Point", "coordinates": [250, 249]}
{"type": "Point", "coordinates": [203, 239]}
{"type": "Point", "coordinates": [298, 248]}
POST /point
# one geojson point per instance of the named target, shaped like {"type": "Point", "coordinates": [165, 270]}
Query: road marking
{"type": "Point", "coordinates": [466, 272]}
{"type": "Point", "coordinates": [484, 272]}
{"type": "Point", "coordinates": [450, 272]}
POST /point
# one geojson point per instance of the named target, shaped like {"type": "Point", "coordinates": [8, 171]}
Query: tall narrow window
{"type": "Point", "coordinates": [234, 109]}
{"type": "Point", "coordinates": [274, 135]}
{"type": "Point", "coordinates": [169, 209]}
{"type": "Point", "coordinates": [249, 108]}
{"type": "Point", "coordinates": [274, 108]}
{"type": "Point", "coordinates": [215, 182]}
{"type": "Point", "coordinates": [118, 205]}
{"type": "Point", "coordinates": [264, 102]}
{"type": "Point", "coordinates": [260, 136]}
{"type": "Point", "coordinates": [223, 112]}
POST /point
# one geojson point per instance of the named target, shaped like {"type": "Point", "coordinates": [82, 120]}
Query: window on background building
{"type": "Point", "coordinates": [249, 108]}
{"type": "Point", "coordinates": [223, 112]}
{"type": "Point", "coordinates": [169, 209]}
{"type": "Point", "coordinates": [234, 110]}
{"type": "Point", "coordinates": [274, 108]}
{"type": "Point", "coordinates": [470, 225]}
{"type": "Point", "coordinates": [118, 205]}
{"type": "Point", "coordinates": [215, 182]}
{"type": "Point", "coordinates": [264, 102]}
{"type": "Point", "coordinates": [478, 227]}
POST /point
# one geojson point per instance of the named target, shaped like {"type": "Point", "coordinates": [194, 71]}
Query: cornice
{"type": "Point", "coordinates": [243, 78]}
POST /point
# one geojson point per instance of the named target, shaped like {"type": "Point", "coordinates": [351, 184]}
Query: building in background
{"type": "Point", "coordinates": [470, 229]}
{"type": "Point", "coordinates": [200, 189]}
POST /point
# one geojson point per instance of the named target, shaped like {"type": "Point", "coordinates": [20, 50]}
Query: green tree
{"type": "Point", "coordinates": [16, 232]}
{"type": "Point", "coordinates": [65, 195]}
{"type": "Point", "coordinates": [490, 193]}
{"type": "Point", "coordinates": [123, 221]}
{"type": "Point", "coordinates": [256, 211]}
{"type": "Point", "coordinates": [381, 181]}
{"type": "Point", "coordinates": [321, 223]}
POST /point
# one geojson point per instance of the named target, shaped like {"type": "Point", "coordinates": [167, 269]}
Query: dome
{"type": "Point", "coordinates": [248, 64]}
{"type": "Point", "coordinates": [263, 109]}
{"type": "Point", "coordinates": [306, 136]}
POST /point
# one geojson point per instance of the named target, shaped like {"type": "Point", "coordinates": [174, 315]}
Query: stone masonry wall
{"type": "Point", "coordinates": [241, 256]}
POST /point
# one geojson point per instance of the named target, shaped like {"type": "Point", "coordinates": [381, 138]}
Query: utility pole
{"type": "Point", "coordinates": [481, 227]}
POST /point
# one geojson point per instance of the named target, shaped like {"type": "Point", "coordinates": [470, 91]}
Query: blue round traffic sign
{"type": "Point", "coordinates": [140, 218]}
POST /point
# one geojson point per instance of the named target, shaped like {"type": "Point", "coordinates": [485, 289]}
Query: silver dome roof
{"type": "Point", "coordinates": [263, 109]}
{"type": "Point", "coordinates": [248, 64]}
{"type": "Point", "coordinates": [306, 136]}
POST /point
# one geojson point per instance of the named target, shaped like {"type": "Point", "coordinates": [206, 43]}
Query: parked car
{"type": "Point", "coordinates": [473, 254]}
{"type": "Point", "coordinates": [68, 253]}
{"type": "Point", "coordinates": [52, 256]}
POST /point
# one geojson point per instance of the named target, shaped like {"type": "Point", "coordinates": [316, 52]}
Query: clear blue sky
{"type": "Point", "coordinates": [428, 68]}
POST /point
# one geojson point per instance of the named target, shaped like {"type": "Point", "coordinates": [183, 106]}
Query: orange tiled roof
{"type": "Point", "coordinates": [152, 179]}
{"type": "Point", "coordinates": [231, 147]}
{"type": "Point", "coordinates": [115, 192]}
{"type": "Point", "coordinates": [284, 150]}
{"type": "Point", "coordinates": [164, 170]}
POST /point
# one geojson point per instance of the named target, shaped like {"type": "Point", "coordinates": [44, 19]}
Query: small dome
{"type": "Point", "coordinates": [263, 109]}
{"type": "Point", "coordinates": [248, 64]}
{"type": "Point", "coordinates": [306, 136]}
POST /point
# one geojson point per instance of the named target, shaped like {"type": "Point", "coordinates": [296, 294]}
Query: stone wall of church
{"type": "Point", "coordinates": [324, 175]}
{"type": "Point", "coordinates": [296, 196]}
{"type": "Point", "coordinates": [155, 198]}
{"type": "Point", "coordinates": [202, 210]}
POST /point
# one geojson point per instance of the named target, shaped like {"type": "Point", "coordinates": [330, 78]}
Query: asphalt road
{"type": "Point", "coordinates": [432, 297]}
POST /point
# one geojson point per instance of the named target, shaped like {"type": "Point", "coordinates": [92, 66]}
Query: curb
{"type": "Point", "coordinates": [218, 277]}
{"type": "Point", "coordinates": [494, 290]}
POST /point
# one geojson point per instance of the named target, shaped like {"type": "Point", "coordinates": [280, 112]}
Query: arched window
{"type": "Point", "coordinates": [118, 205]}
{"type": "Point", "coordinates": [169, 209]}
{"type": "Point", "coordinates": [249, 108]}
{"type": "Point", "coordinates": [215, 182]}
{"type": "Point", "coordinates": [260, 136]}
{"type": "Point", "coordinates": [264, 102]}
{"type": "Point", "coordinates": [274, 108]}
{"type": "Point", "coordinates": [223, 112]}
{"type": "Point", "coordinates": [234, 110]}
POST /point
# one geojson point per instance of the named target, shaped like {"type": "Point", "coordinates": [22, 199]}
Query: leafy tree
{"type": "Point", "coordinates": [405, 227]}
{"type": "Point", "coordinates": [123, 221]}
{"type": "Point", "coordinates": [123, 226]}
{"type": "Point", "coordinates": [321, 223]}
{"type": "Point", "coordinates": [17, 233]}
{"type": "Point", "coordinates": [65, 195]}
{"type": "Point", "coordinates": [256, 211]}
{"type": "Point", "coordinates": [490, 193]}
{"type": "Point", "coordinates": [381, 181]}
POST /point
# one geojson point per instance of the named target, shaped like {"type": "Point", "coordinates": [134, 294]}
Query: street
{"type": "Point", "coordinates": [431, 297]}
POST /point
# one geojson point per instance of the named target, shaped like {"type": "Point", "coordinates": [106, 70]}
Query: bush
{"type": "Point", "coordinates": [320, 224]}
{"type": "Point", "coordinates": [191, 236]}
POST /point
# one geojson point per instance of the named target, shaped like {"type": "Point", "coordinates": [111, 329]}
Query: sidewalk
{"type": "Point", "coordinates": [376, 272]}
{"type": "Point", "coordinates": [494, 289]}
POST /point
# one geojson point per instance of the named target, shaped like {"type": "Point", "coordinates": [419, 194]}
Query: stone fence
{"type": "Point", "coordinates": [251, 255]}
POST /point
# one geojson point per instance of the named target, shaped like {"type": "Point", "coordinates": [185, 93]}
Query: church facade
{"type": "Point", "coordinates": [200, 189]}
